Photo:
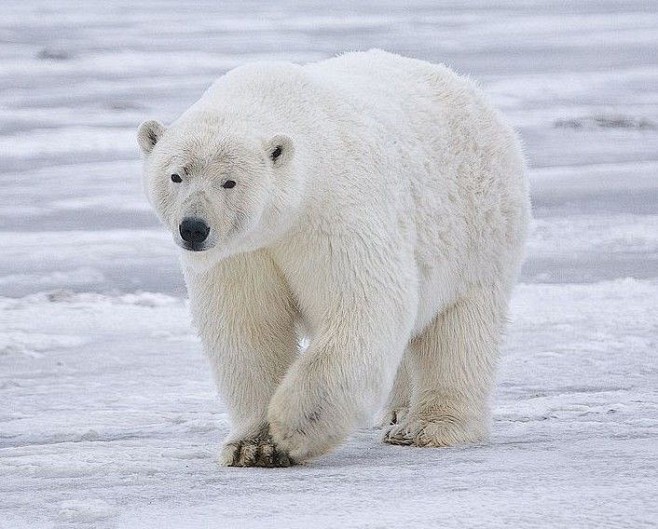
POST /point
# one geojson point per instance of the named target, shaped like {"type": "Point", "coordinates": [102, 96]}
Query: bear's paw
{"type": "Point", "coordinates": [258, 451]}
{"type": "Point", "coordinates": [435, 432]}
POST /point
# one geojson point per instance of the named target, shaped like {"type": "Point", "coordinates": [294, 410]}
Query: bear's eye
{"type": "Point", "coordinates": [276, 152]}
{"type": "Point", "coordinates": [228, 184]}
{"type": "Point", "coordinates": [176, 178]}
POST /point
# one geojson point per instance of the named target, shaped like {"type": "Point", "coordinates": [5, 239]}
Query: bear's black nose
{"type": "Point", "coordinates": [193, 230]}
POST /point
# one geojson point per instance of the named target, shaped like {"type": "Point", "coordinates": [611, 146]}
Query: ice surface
{"type": "Point", "coordinates": [109, 416]}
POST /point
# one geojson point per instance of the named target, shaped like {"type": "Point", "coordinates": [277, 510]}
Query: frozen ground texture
{"type": "Point", "coordinates": [108, 415]}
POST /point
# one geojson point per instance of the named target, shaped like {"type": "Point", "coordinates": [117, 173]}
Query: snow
{"type": "Point", "coordinates": [109, 415]}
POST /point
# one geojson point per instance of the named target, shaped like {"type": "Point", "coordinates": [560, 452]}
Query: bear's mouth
{"type": "Point", "coordinates": [193, 246]}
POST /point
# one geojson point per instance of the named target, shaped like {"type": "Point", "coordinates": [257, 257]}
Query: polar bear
{"type": "Point", "coordinates": [372, 204]}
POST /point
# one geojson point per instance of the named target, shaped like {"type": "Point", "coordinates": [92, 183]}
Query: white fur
{"type": "Point", "coordinates": [391, 226]}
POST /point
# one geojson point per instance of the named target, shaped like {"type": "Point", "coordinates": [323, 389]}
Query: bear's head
{"type": "Point", "coordinates": [219, 190]}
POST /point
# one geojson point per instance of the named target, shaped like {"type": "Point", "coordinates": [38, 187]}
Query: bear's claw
{"type": "Point", "coordinates": [437, 432]}
{"type": "Point", "coordinates": [258, 451]}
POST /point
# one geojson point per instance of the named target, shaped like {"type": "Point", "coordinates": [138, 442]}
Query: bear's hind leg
{"type": "Point", "coordinates": [399, 400]}
{"type": "Point", "coordinates": [453, 367]}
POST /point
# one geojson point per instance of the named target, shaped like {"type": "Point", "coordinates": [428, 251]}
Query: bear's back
{"type": "Point", "coordinates": [376, 73]}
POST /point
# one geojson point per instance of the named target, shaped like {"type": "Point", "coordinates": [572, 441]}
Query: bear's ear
{"type": "Point", "coordinates": [148, 135]}
{"type": "Point", "coordinates": [280, 150]}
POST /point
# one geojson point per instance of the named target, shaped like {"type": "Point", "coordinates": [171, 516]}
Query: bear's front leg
{"type": "Point", "coordinates": [245, 316]}
{"type": "Point", "coordinates": [344, 374]}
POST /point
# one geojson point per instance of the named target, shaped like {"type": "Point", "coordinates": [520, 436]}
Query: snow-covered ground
{"type": "Point", "coordinates": [108, 414]}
